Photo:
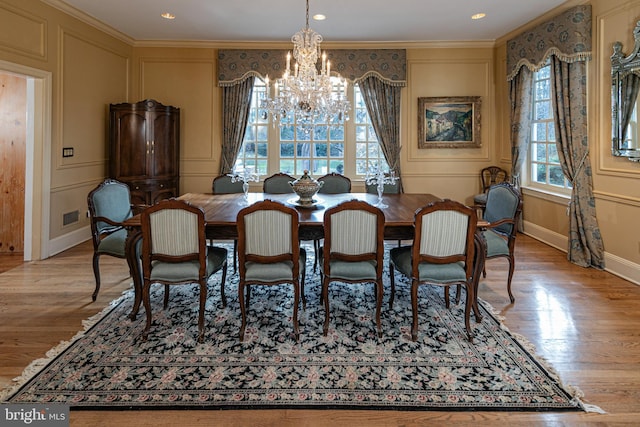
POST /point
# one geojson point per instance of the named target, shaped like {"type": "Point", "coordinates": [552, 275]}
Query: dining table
{"type": "Point", "coordinates": [221, 211]}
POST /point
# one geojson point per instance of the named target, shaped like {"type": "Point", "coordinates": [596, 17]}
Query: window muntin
{"type": "Point", "coordinates": [326, 149]}
{"type": "Point", "coordinates": [545, 170]}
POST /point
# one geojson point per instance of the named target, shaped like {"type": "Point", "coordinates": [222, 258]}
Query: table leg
{"type": "Point", "coordinates": [134, 239]}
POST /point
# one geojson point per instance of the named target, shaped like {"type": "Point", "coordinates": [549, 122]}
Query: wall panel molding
{"type": "Point", "coordinates": [30, 40]}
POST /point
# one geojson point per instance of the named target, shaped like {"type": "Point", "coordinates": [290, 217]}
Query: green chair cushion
{"type": "Point", "coordinates": [433, 273]}
{"type": "Point", "coordinates": [185, 271]}
{"type": "Point", "coordinates": [360, 270]}
{"type": "Point", "coordinates": [496, 245]}
{"type": "Point", "coordinates": [274, 272]}
{"type": "Point", "coordinates": [113, 244]}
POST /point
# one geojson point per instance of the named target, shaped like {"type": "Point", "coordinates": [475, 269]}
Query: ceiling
{"type": "Point", "coordinates": [278, 20]}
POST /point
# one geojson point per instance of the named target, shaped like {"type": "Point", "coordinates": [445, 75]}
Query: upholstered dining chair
{"type": "Point", "coordinates": [502, 212]}
{"type": "Point", "coordinates": [223, 184]}
{"type": "Point", "coordinates": [353, 250]}
{"type": "Point", "coordinates": [109, 206]}
{"type": "Point", "coordinates": [278, 184]}
{"type": "Point", "coordinates": [175, 252]}
{"type": "Point", "coordinates": [334, 183]}
{"type": "Point", "coordinates": [269, 253]}
{"type": "Point", "coordinates": [489, 176]}
{"type": "Point", "coordinates": [442, 254]}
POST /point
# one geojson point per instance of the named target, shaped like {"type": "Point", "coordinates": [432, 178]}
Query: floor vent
{"type": "Point", "coordinates": [70, 217]}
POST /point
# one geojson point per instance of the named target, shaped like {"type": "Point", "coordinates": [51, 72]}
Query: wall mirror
{"type": "Point", "coordinates": [625, 88]}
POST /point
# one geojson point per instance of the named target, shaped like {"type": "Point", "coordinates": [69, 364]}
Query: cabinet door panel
{"type": "Point", "coordinates": [132, 148]}
{"type": "Point", "coordinates": [165, 155]}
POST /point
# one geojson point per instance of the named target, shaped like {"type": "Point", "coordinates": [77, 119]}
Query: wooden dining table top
{"type": "Point", "coordinates": [222, 209]}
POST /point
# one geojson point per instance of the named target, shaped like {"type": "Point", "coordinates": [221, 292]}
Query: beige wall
{"type": "Point", "coordinates": [93, 67]}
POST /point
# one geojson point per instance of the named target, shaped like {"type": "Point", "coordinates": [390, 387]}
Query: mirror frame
{"type": "Point", "coordinates": [621, 67]}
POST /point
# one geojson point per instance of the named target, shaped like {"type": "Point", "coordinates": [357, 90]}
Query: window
{"type": "Point", "coordinates": [368, 151]}
{"type": "Point", "coordinates": [544, 163]}
{"type": "Point", "coordinates": [292, 149]}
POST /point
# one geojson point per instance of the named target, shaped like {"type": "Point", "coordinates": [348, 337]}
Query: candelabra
{"type": "Point", "coordinates": [246, 175]}
{"type": "Point", "coordinates": [377, 176]}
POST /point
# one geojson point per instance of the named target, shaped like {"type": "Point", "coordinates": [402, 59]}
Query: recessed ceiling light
{"type": "Point", "coordinates": [478, 15]}
{"type": "Point", "coordinates": [168, 15]}
{"type": "Point", "coordinates": [319, 17]}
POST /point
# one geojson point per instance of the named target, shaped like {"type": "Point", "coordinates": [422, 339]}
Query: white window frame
{"type": "Point", "coordinates": [351, 138]}
{"type": "Point", "coordinates": [542, 136]}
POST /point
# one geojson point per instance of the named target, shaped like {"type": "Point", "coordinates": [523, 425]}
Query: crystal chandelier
{"type": "Point", "coordinates": [306, 94]}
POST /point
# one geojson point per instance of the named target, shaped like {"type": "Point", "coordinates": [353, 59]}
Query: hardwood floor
{"type": "Point", "coordinates": [584, 322]}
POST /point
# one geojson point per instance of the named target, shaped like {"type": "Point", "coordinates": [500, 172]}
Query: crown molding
{"type": "Point", "coordinates": [89, 20]}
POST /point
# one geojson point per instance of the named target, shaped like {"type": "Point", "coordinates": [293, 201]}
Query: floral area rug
{"type": "Point", "coordinates": [108, 366]}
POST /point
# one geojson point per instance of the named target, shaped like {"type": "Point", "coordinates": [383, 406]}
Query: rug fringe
{"type": "Point", "coordinates": [576, 394]}
{"type": "Point", "coordinates": [39, 364]}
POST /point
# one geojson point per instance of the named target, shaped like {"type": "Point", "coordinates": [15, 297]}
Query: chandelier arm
{"type": "Point", "coordinates": [305, 96]}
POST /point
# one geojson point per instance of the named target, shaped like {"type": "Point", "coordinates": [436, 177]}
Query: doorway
{"type": "Point", "coordinates": [36, 169]}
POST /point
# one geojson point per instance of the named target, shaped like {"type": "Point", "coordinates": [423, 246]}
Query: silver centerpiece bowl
{"type": "Point", "coordinates": [305, 187]}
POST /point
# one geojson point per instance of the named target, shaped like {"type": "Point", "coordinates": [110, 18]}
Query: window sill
{"type": "Point", "coordinates": [555, 197]}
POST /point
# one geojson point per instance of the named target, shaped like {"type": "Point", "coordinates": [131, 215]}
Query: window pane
{"type": "Point", "coordinates": [553, 154]}
{"type": "Point", "coordinates": [539, 132]}
{"type": "Point", "coordinates": [556, 177]}
{"type": "Point", "coordinates": [540, 172]}
{"type": "Point", "coordinates": [286, 150]}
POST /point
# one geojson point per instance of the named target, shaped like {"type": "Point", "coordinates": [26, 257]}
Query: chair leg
{"type": "Point", "coordinates": [511, 268]}
{"type": "Point", "coordinates": [203, 300]}
{"type": "Point", "coordinates": [296, 302]}
{"type": "Point", "coordinates": [325, 297]}
{"type": "Point", "coordinates": [414, 309]}
{"type": "Point", "coordinates": [243, 312]}
{"type": "Point", "coordinates": [392, 276]}
{"type": "Point", "coordinates": [316, 251]}
{"type": "Point", "coordinates": [235, 256]}
{"type": "Point", "coordinates": [223, 281]}
{"type": "Point", "coordinates": [447, 302]}
{"type": "Point", "coordinates": [467, 310]}
{"type": "Point", "coordinates": [379, 305]}
{"type": "Point", "coordinates": [166, 296]}
{"type": "Point", "coordinates": [147, 308]}
{"type": "Point", "coordinates": [96, 273]}
{"type": "Point", "coordinates": [302, 282]}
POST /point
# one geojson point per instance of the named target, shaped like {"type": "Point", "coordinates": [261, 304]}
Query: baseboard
{"type": "Point", "coordinates": [613, 264]}
{"type": "Point", "coordinates": [69, 240]}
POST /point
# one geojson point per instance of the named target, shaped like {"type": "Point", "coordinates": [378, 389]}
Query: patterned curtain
{"type": "Point", "coordinates": [520, 94]}
{"type": "Point", "coordinates": [570, 115]}
{"type": "Point", "coordinates": [236, 104]}
{"type": "Point", "coordinates": [566, 41]}
{"type": "Point", "coordinates": [383, 104]}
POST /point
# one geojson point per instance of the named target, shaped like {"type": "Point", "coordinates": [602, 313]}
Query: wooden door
{"type": "Point", "coordinates": [13, 140]}
{"type": "Point", "coordinates": [165, 136]}
{"type": "Point", "coordinates": [130, 144]}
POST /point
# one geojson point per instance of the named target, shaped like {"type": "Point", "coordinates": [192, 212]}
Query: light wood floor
{"type": "Point", "coordinates": [585, 322]}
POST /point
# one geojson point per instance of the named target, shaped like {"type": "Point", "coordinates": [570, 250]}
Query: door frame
{"type": "Point", "coordinates": [37, 197]}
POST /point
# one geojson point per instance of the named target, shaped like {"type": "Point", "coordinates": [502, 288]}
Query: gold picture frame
{"type": "Point", "coordinates": [449, 122]}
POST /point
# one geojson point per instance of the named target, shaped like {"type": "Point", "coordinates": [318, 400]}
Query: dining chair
{"type": "Point", "coordinates": [489, 176]}
{"type": "Point", "coordinates": [353, 250]}
{"type": "Point", "coordinates": [223, 184]}
{"type": "Point", "coordinates": [278, 184]}
{"type": "Point", "coordinates": [334, 183]}
{"type": "Point", "coordinates": [442, 254]}
{"type": "Point", "coordinates": [109, 206]}
{"type": "Point", "coordinates": [502, 212]}
{"type": "Point", "coordinates": [269, 253]}
{"type": "Point", "coordinates": [175, 252]}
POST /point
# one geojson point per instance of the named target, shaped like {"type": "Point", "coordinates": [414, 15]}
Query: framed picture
{"type": "Point", "coordinates": [449, 122]}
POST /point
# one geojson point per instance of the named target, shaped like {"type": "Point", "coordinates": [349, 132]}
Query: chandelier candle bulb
{"type": "Point", "coordinates": [309, 95]}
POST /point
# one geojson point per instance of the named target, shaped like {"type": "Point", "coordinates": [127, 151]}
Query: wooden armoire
{"type": "Point", "coordinates": [144, 148]}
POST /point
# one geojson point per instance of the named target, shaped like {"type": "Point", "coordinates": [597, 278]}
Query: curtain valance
{"type": "Point", "coordinates": [389, 65]}
{"type": "Point", "coordinates": [568, 36]}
